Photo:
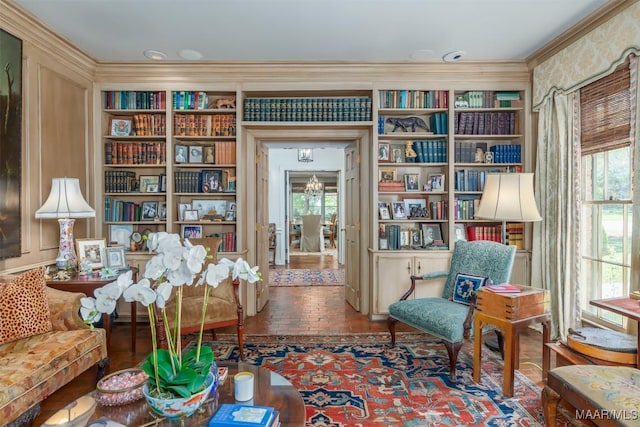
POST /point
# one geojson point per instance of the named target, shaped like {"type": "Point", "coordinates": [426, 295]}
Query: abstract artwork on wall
{"type": "Point", "coordinates": [10, 143]}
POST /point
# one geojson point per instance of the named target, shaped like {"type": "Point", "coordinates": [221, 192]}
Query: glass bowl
{"type": "Point", "coordinates": [121, 387]}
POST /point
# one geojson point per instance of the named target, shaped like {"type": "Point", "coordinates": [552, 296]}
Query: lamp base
{"type": "Point", "coordinates": [67, 259]}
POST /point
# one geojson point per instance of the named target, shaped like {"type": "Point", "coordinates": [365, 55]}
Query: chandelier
{"type": "Point", "coordinates": [314, 187]}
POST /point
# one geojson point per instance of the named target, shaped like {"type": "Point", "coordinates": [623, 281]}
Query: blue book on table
{"type": "Point", "coordinates": [233, 414]}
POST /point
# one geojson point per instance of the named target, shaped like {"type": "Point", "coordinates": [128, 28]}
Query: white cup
{"type": "Point", "coordinates": [243, 386]}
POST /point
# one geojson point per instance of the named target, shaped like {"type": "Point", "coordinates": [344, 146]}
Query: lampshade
{"type": "Point", "coordinates": [65, 201]}
{"type": "Point", "coordinates": [508, 197]}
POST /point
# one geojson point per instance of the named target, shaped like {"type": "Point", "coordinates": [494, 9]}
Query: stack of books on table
{"type": "Point", "coordinates": [504, 288]}
{"type": "Point", "coordinates": [234, 415]}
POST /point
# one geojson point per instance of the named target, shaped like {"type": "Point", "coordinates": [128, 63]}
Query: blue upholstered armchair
{"type": "Point", "coordinates": [442, 317]}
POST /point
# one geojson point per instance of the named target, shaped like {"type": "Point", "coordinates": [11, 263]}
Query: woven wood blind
{"type": "Point", "coordinates": [605, 112]}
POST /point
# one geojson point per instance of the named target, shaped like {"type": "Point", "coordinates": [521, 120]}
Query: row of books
{"type": "Point", "coordinates": [204, 124]}
{"type": "Point", "coordinates": [122, 210]}
{"type": "Point", "coordinates": [465, 209]}
{"type": "Point", "coordinates": [339, 109]}
{"type": "Point", "coordinates": [470, 151]}
{"type": "Point", "coordinates": [469, 179]}
{"type": "Point", "coordinates": [237, 414]}
{"type": "Point", "coordinates": [119, 181]}
{"type": "Point", "coordinates": [506, 153]}
{"type": "Point", "coordinates": [414, 99]}
{"type": "Point", "coordinates": [430, 150]}
{"type": "Point", "coordinates": [204, 181]}
{"type": "Point", "coordinates": [149, 124]}
{"type": "Point", "coordinates": [134, 153]}
{"type": "Point", "coordinates": [515, 234]}
{"type": "Point", "coordinates": [395, 237]}
{"type": "Point", "coordinates": [486, 123]}
{"type": "Point", "coordinates": [489, 99]}
{"type": "Point", "coordinates": [189, 100]}
{"type": "Point", "coordinates": [484, 232]}
{"type": "Point", "coordinates": [134, 100]}
{"type": "Point", "coordinates": [227, 241]}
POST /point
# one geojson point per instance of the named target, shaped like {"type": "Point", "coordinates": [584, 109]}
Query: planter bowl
{"type": "Point", "coordinates": [179, 407]}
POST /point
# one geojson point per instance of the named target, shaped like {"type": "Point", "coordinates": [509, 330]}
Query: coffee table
{"type": "Point", "coordinates": [270, 389]}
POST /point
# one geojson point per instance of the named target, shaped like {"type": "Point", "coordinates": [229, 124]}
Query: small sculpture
{"type": "Point", "coordinates": [226, 102]}
{"type": "Point", "coordinates": [409, 152]}
{"type": "Point", "coordinates": [408, 122]}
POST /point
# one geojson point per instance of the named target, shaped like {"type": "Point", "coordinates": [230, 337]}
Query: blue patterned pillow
{"type": "Point", "coordinates": [465, 286]}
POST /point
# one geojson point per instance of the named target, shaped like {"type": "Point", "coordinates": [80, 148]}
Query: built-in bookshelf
{"type": "Point", "coordinates": [307, 109]}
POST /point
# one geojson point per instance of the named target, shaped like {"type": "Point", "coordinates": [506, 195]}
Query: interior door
{"type": "Point", "coordinates": [351, 227]}
{"type": "Point", "coordinates": [262, 225]}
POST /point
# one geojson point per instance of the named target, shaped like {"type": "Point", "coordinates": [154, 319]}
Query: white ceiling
{"type": "Point", "coordinates": [311, 30]}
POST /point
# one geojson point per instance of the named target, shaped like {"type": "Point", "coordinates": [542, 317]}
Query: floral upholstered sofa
{"type": "Point", "coordinates": [43, 344]}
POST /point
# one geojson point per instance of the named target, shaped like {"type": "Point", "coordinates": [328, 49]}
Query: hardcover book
{"type": "Point", "coordinates": [233, 415]}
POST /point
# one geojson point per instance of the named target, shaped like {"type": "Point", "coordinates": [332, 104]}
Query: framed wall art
{"type": "Point", "coordinates": [121, 126]}
{"type": "Point", "coordinates": [92, 250]}
{"type": "Point", "coordinates": [115, 258]}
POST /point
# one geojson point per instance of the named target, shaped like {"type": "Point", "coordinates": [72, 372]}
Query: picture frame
{"type": "Point", "coordinates": [191, 231]}
{"type": "Point", "coordinates": [209, 155]}
{"type": "Point", "coordinates": [93, 250]}
{"type": "Point", "coordinates": [437, 182]}
{"type": "Point", "coordinates": [383, 152]}
{"type": "Point", "coordinates": [162, 187]}
{"type": "Point", "coordinates": [415, 238]}
{"type": "Point", "coordinates": [182, 207]}
{"type": "Point", "coordinates": [120, 126]}
{"type": "Point", "coordinates": [398, 210]}
{"type": "Point", "coordinates": [210, 208]}
{"type": "Point", "coordinates": [162, 210]}
{"type": "Point", "coordinates": [230, 215]}
{"type": "Point", "coordinates": [411, 182]}
{"type": "Point", "coordinates": [149, 183]}
{"type": "Point", "coordinates": [191, 215]}
{"type": "Point", "coordinates": [416, 208]}
{"type": "Point", "coordinates": [387, 175]}
{"type": "Point", "coordinates": [431, 233]}
{"type": "Point", "coordinates": [149, 211]}
{"type": "Point", "coordinates": [115, 257]}
{"type": "Point", "coordinates": [195, 154]}
{"type": "Point", "coordinates": [231, 206]}
{"type": "Point", "coordinates": [212, 180]}
{"type": "Point", "coordinates": [383, 210]}
{"type": "Point", "coordinates": [459, 232]}
{"type": "Point", "coordinates": [120, 234]}
{"type": "Point", "coordinates": [180, 154]}
{"type": "Point", "coordinates": [404, 238]}
{"type": "Point", "coordinates": [397, 154]}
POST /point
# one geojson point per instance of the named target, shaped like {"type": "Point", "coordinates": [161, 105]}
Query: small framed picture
{"type": "Point", "coordinates": [211, 180]}
{"type": "Point", "coordinates": [398, 210]}
{"type": "Point", "coordinates": [460, 232]}
{"type": "Point", "coordinates": [149, 211]}
{"type": "Point", "coordinates": [231, 206]}
{"type": "Point", "coordinates": [415, 208]}
{"type": "Point", "coordinates": [230, 216]}
{"type": "Point", "coordinates": [192, 231]}
{"type": "Point", "coordinates": [191, 215]}
{"type": "Point", "coordinates": [119, 234]}
{"type": "Point", "coordinates": [182, 207]}
{"type": "Point", "coordinates": [115, 258]}
{"type": "Point", "coordinates": [416, 239]}
{"type": "Point", "coordinates": [180, 154]}
{"type": "Point", "coordinates": [162, 210]}
{"type": "Point", "coordinates": [149, 183]}
{"type": "Point", "coordinates": [209, 155]}
{"type": "Point", "coordinates": [387, 175]}
{"type": "Point", "coordinates": [209, 208]}
{"type": "Point", "coordinates": [195, 154]}
{"type": "Point", "coordinates": [383, 152]}
{"type": "Point", "coordinates": [121, 126]}
{"type": "Point", "coordinates": [404, 238]}
{"type": "Point", "coordinates": [383, 243]}
{"type": "Point", "coordinates": [92, 250]}
{"type": "Point", "coordinates": [383, 210]}
{"type": "Point", "coordinates": [397, 154]}
{"type": "Point", "coordinates": [431, 233]}
{"type": "Point", "coordinates": [162, 187]}
{"type": "Point", "coordinates": [437, 181]}
{"type": "Point", "coordinates": [411, 182]}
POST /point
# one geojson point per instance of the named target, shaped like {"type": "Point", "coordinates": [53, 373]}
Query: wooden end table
{"type": "Point", "coordinates": [503, 311]}
{"type": "Point", "coordinates": [87, 285]}
{"type": "Point", "coordinates": [624, 306]}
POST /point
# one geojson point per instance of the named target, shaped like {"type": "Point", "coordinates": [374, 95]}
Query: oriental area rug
{"type": "Point", "coordinates": [359, 380]}
{"type": "Point", "coordinates": [306, 277]}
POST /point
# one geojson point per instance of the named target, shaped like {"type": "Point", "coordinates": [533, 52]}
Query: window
{"type": "Point", "coordinates": [606, 194]}
{"type": "Point", "coordinates": [325, 205]}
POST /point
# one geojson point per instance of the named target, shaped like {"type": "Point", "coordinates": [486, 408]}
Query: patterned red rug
{"type": "Point", "coordinates": [358, 380]}
{"type": "Point", "coordinates": [306, 277]}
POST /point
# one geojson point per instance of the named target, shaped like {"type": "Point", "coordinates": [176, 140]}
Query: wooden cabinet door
{"type": "Point", "coordinates": [391, 280]}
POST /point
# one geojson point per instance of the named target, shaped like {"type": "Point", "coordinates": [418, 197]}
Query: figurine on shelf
{"type": "Point", "coordinates": [86, 267]}
{"type": "Point", "coordinates": [409, 153]}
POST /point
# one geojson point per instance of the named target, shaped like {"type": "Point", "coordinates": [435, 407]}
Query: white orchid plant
{"type": "Point", "coordinates": [176, 264]}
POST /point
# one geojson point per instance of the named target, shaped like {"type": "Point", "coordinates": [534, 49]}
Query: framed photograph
{"type": "Point", "coordinates": [383, 243]}
{"type": "Point", "coordinates": [162, 187]}
{"type": "Point", "coordinates": [191, 231]}
{"type": "Point", "coordinates": [416, 239]}
{"type": "Point", "coordinates": [114, 257]}
{"type": "Point", "coordinates": [180, 154]}
{"type": "Point", "coordinates": [437, 181]}
{"type": "Point", "coordinates": [191, 215]}
{"type": "Point", "coordinates": [209, 208]}
{"type": "Point", "coordinates": [149, 183]}
{"type": "Point", "coordinates": [92, 250]}
{"type": "Point", "coordinates": [416, 208]}
{"type": "Point", "coordinates": [397, 153]}
{"type": "Point", "coordinates": [211, 180]}
{"type": "Point", "coordinates": [195, 154]}
{"type": "Point", "coordinates": [460, 232]}
{"type": "Point", "coordinates": [386, 175]}
{"type": "Point", "coordinates": [120, 234]}
{"type": "Point", "coordinates": [121, 126]}
{"type": "Point", "coordinates": [232, 206]}
{"type": "Point", "coordinates": [404, 238]}
{"type": "Point", "coordinates": [383, 210]}
{"type": "Point", "coordinates": [398, 210]}
{"type": "Point", "coordinates": [162, 210]}
{"type": "Point", "coordinates": [431, 233]}
{"type": "Point", "coordinates": [209, 155]}
{"type": "Point", "coordinates": [383, 152]}
{"type": "Point", "coordinates": [411, 182]}
{"type": "Point", "coordinates": [182, 207]}
{"type": "Point", "coordinates": [230, 216]}
{"type": "Point", "coordinates": [149, 211]}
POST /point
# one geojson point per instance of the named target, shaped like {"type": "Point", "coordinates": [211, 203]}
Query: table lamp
{"type": "Point", "coordinates": [508, 197]}
{"type": "Point", "coordinates": [66, 203]}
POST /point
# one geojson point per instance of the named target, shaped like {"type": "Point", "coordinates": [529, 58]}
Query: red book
{"type": "Point", "coordinates": [504, 288]}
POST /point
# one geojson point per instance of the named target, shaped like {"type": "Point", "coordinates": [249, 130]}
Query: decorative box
{"type": "Point", "coordinates": [514, 306]}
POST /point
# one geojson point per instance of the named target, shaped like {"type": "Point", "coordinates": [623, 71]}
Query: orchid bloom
{"type": "Point", "coordinates": [88, 309]}
{"type": "Point", "coordinates": [140, 292]}
{"type": "Point", "coordinates": [214, 274]}
{"type": "Point", "coordinates": [107, 297]}
{"type": "Point", "coordinates": [163, 292]}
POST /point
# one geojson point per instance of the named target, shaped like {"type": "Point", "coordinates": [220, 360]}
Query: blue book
{"type": "Point", "coordinates": [233, 415]}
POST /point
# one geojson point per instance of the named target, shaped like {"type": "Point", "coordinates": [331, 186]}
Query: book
{"type": "Point", "coordinates": [233, 415]}
{"type": "Point", "coordinates": [504, 288]}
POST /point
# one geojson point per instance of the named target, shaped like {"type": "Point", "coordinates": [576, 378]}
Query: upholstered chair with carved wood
{"type": "Point", "coordinates": [450, 317]}
{"type": "Point", "coordinates": [223, 309]}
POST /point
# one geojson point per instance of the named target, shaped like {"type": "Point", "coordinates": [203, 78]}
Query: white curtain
{"type": "Point", "coordinates": [555, 261]}
{"type": "Point", "coordinates": [635, 134]}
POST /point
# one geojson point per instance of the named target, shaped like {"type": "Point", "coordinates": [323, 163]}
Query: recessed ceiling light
{"type": "Point", "coordinates": [190, 54]}
{"type": "Point", "coordinates": [156, 55]}
{"type": "Point", "coordinates": [422, 54]}
{"type": "Point", "coordinates": [454, 56]}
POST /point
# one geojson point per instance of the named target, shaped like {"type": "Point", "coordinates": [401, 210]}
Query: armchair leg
{"type": "Point", "coordinates": [452, 350]}
{"type": "Point", "coordinates": [241, 341]}
{"type": "Point", "coordinates": [391, 324]}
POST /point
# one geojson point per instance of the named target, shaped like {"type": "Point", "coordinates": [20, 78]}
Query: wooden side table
{"type": "Point", "coordinates": [510, 313]}
{"type": "Point", "coordinates": [87, 285]}
{"type": "Point", "coordinates": [625, 306]}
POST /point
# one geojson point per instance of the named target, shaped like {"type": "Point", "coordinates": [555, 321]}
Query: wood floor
{"type": "Point", "coordinates": [290, 311]}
